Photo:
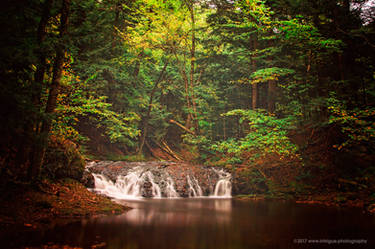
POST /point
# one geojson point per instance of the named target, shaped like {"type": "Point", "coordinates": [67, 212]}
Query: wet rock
{"type": "Point", "coordinates": [147, 189]}
{"type": "Point", "coordinates": [163, 174]}
{"type": "Point", "coordinates": [88, 179]}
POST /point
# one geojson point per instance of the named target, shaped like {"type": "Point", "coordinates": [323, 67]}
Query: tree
{"type": "Point", "coordinates": [53, 92]}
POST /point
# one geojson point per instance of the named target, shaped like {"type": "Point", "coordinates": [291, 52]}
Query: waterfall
{"type": "Point", "coordinates": [170, 189]}
{"type": "Point", "coordinates": [194, 189]}
{"type": "Point", "coordinates": [155, 188]}
{"type": "Point", "coordinates": [159, 180]}
{"type": "Point", "coordinates": [223, 186]}
{"type": "Point", "coordinates": [125, 187]}
{"type": "Point", "coordinates": [119, 190]}
{"type": "Point", "coordinates": [130, 185]}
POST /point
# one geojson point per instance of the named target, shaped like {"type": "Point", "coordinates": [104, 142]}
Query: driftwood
{"type": "Point", "coordinates": [181, 126]}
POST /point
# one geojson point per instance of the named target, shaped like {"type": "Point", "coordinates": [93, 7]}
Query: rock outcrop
{"type": "Point", "coordinates": [157, 179]}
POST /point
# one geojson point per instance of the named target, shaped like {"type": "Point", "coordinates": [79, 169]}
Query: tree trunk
{"type": "Point", "coordinates": [192, 66]}
{"type": "Point", "coordinates": [224, 129]}
{"type": "Point", "coordinates": [254, 94]}
{"type": "Point", "coordinates": [185, 79]}
{"type": "Point", "coordinates": [148, 114]}
{"type": "Point", "coordinates": [181, 126]}
{"type": "Point", "coordinates": [254, 86]}
{"type": "Point", "coordinates": [341, 66]}
{"type": "Point", "coordinates": [53, 93]}
{"type": "Point", "coordinates": [39, 74]}
{"type": "Point", "coordinates": [187, 92]}
{"type": "Point", "coordinates": [189, 81]}
{"type": "Point", "coordinates": [25, 155]}
{"type": "Point", "coordinates": [115, 23]}
{"type": "Point", "coordinates": [271, 95]}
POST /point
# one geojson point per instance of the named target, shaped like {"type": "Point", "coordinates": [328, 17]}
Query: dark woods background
{"type": "Point", "coordinates": [281, 92]}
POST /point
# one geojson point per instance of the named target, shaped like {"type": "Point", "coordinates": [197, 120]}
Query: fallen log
{"type": "Point", "coordinates": [152, 150]}
{"type": "Point", "coordinates": [171, 151]}
{"type": "Point", "coordinates": [181, 126]}
{"type": "Point", "coordinates": [351, 182]}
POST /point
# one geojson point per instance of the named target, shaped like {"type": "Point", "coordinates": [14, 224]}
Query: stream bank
{"type": "Point", "coordinates": [26, 208]}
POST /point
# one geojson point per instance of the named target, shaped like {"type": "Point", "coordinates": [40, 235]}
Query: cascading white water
{"type": "Point", "coordinates": [223, 187]}
{"type": "Point", "coordinates": [125, 187]}
{"type": "Point", "coordinates": [155, 188]}
{"type": "Point", "coordinates": [139, 182]}
{"type": "Point", "coordinates": [194, 189]}
{"type": "Point", "coordinates": [119, 190]}
{"type": "Point", "coordinates": [170, 190]}
{"type": "Point", "coordinates": [130, 185]}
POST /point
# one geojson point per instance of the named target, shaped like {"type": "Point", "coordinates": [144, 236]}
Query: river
{"type": "Point", "coordinates": [199, 223]}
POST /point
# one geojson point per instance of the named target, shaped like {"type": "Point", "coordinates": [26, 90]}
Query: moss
{"type": "Point", "coordinates": [67, 199]}
{"type": "Point", "coordinates": [135, 158]}
{"type": "Point", "coordinates": [63, 160]}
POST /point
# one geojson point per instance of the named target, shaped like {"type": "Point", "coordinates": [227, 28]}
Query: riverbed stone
{"type": "Point", "coordinates": [161, 171]}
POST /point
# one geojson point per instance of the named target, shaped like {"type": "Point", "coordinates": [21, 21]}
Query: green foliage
{"type": "Point", "coordinates": [301, 32]}
{"type": "Point", "coordinates": [267, 74]}
{"type": "Point", "coordinates": [266, 134]}
{"type": "Point", "coordinates": [357, 125]}
{"type": "Point", "coordinates": [76, 107]}
{"type": "Point", "coordinates": [287, 56]}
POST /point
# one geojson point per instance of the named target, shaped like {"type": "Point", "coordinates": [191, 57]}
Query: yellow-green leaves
{"type": "Point", "coordinates": [357, 125]}
{"type": "Point", "coordinates": [266, 134]}
{"type": "Point", "coordinates": [268, 74]}
{"type": "Point", "coordinates": [256, 12]}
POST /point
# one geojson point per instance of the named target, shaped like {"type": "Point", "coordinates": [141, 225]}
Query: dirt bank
{"type": "Point", "coordinates": [26, 208]}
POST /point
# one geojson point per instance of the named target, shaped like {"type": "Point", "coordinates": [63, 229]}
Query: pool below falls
{"type": "Point", "coordinates": [200, 223]}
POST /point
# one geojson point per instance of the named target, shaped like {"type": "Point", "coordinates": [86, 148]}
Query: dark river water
{"type": "Point", "coordinates": [219, 224]}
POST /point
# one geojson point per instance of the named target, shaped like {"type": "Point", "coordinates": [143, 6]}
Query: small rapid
{"type": "Point", "coordinates": [223, 187]}
{"type": "Point", "coordinates": [134, 181]}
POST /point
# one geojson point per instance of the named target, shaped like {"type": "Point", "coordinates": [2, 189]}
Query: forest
{"type": "Point", "coordinates": [281, 93]}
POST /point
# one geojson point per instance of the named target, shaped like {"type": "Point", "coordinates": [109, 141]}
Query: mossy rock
{"type": "Point", "coordinates": [63, 160]}
{"type": "Point", "coordinates": [88, 179]}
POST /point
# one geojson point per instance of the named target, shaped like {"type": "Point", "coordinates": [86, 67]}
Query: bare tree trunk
{"type": "Point", "coordinates": [181, 126]}
{"type": "Point", "coordinates": [341, 66]}
{"type": "Point", "coordinates": [254, 86]}
{"type": "Point", "coordinates": [53, 92]}
{"type": "Point", "coordinates": [224, 129]}
{"type": "Point", "coordinates": [25, 153]}
{"type": "Point", "coordinates": [346, 5]}
{"type": "Point", "coordinates": [271, 96]}
{"type": "Point", "coordinates": [189, 83]}
{"type": "Point", "coordinates": [148, 114]}
{"type": "Point", "coordinates": [192, 65]}
{"type": "Point", "coordinates": [254, 94]}
{"type": "Point", "coordinates": [115, 23]}
{"type": "Point", "coordinates": [181, 68]}
{"type": "Point", "coordinates": [187, 93]}
{"type": "Point", "coordinates": [39, 74]}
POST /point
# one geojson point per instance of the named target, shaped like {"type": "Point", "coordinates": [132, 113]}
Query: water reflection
{"type": "Point", "coordinates": [178, 212]}
{"type": "Point", "coordinates": [215, 224]}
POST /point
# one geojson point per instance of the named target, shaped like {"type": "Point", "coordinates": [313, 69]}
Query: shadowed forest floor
{"type": "Point", "coordinates": [25, 208]}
